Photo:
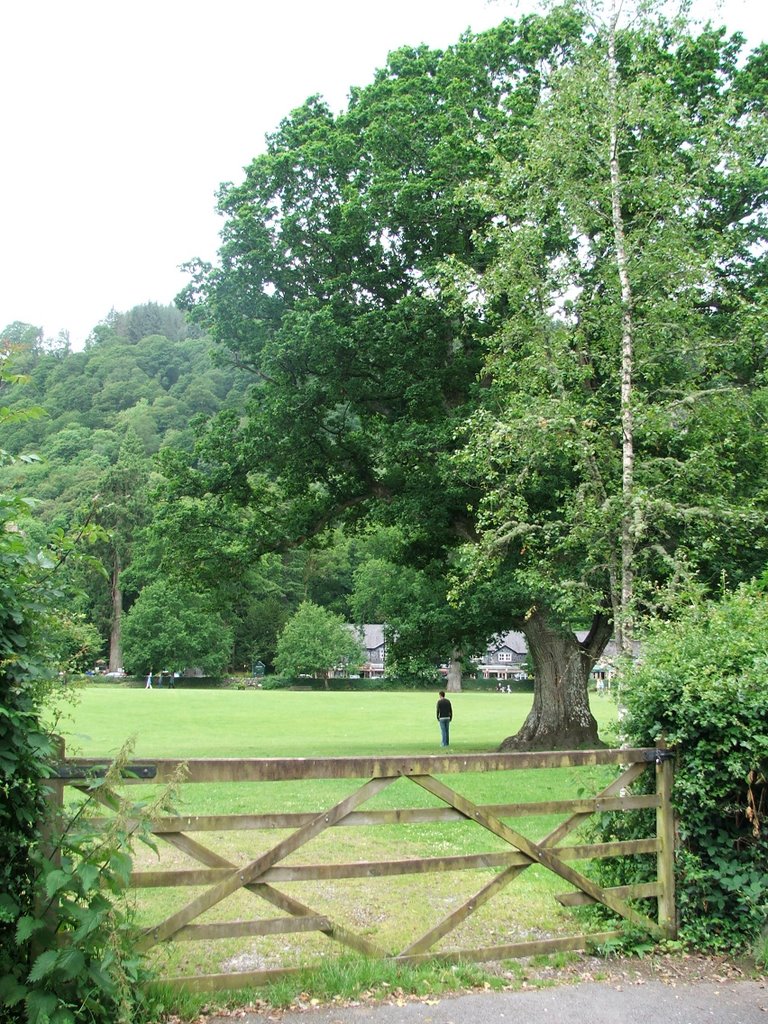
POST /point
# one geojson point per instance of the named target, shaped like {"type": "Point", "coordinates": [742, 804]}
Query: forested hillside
{"type": "Point", "coordinates": [102, 420]}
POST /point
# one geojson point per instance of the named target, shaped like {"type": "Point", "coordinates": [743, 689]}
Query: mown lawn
{"type": "Point", "coordinates": [274, 723]}
{"type": "Point", "coordinates": [391, 911]}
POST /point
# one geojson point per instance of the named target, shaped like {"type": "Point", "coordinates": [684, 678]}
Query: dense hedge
{"type": "Point", "coordinates": [67, 947]}
{"type": "Point", "coordinates": [393, 683]}
{"type": "Point", "coordinates": [276, 682]}
{"type": "Point", "coordinates": [703, 685]}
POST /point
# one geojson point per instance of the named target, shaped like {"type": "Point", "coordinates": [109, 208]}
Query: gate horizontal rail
{"type": "Point", "coordinates": [220, 877]}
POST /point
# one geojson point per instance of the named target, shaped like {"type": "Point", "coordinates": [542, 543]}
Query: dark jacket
{"type": "Point", "coordinates": [444, 709]}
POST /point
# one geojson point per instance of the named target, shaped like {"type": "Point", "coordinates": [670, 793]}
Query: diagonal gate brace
{"type": "Point", "coordinates": [502, 880]}
{"type": "Point", "coordinates": [537, 852]}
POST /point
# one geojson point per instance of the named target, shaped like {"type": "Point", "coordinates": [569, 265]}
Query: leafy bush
{"type": "Point", "coordinates": [62, 952]}
{"type": "Point", "coordinates": [702, 684]}
{"type": "Point", "coordinates": [75, 958]}
{"type": "Point", "coordinates": [393, 683]}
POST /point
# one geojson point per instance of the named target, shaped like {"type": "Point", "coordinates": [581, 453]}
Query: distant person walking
{"type": "Point", "coordinates": [149, 681]}
{"type": "Point", "coordinates": [444, 716]}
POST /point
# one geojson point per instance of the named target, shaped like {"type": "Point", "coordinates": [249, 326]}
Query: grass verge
{"type": "Point", "coordinates": [345, 981]}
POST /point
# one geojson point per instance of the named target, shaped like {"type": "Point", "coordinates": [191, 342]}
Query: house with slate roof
{"type": "Point", "coordinates": [371, 637]}
{"type": "Point", "coordinates": [505, 658]}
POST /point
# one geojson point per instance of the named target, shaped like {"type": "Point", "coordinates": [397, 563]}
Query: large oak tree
{"type": "Point", "coordinates": [330, 290]}
{"type": "Point", "coordinates": [439, 264]}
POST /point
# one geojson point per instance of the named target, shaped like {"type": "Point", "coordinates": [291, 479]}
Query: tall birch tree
{"type": "Point", "coordinates": [628, 251]}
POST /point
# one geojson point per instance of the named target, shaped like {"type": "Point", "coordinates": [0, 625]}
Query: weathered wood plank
{"type": "Point", "coordinates": [197, 851]}
{"type": "Point", "coordinates": [619, 785]}
{"type": "Point", "coordinates": [455, 918]}
{"type": "Point", "coordinates": [397, 816]}
{"type": "Point", "coordinates": [537, 853]}
{"type": "Point", "coordinates": [223, 877]}
{"type": "Point", "coordinates": [515, 950]}
{"type": "Point", "coordinates": [597, 851]}
{"type": "Point", "coordinates": [336, 932]}
{"type": "Point", "coordinates": [241, 929]}
{"type": "Point", "coordinates": [282, 769]}
{"type": "Point", "coordinates": [384, 868]}
{"type": "Point", "coordinates": [236, 980]}
{"type": "Point", "coordinates": [640, 891]}
{"type": "Point", "coordinates": [665, 830]}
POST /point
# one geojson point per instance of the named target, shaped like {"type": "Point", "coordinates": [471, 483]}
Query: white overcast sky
{"type": "Point", "coordinates": [120, 120]}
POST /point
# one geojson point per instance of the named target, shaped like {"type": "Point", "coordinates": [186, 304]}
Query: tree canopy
{"type": "Point", "coordinates": [659, 134]}
{"type": "Point", "coordinates": [315, 642]}
{"type": "Point", "coordinates": [436, 291]}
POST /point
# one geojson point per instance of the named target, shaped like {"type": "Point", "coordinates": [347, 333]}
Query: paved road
{"type": "Point", "coordinates": [734, 1002]}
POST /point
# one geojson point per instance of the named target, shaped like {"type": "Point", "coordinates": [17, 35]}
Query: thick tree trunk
{"type": "Point", "coordinates": [453, 680]}
{"type": "Point", "coordinates": [560, 718]}
{"type": "Point", "coordinates": [116, 629]}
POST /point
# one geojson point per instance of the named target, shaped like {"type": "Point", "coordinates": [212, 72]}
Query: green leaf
{"type": "Point", "coordinates": [89, 876]}
{"type": "Point", "coordinates": [12, 991]}
{"type": "Point", "coordinates": [57, 880]}
{"type": "Point", "coordinates": [26, 927]}
{"type": "Point", "coordinates": [63, 1016]}
{"type": "Point", "coordinates": [40, 1007]}
{"type": "Point", "coordinates": [121, 864]}
{"type": "Point", "coordinates": [71, 963]}
{"type": "Point", "coordinates": [44, 965]}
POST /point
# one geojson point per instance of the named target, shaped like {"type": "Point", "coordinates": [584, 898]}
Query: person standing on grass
{"type": "Point", "coordinates": [444, 716]}
{"type": "Point", "coordinates": [148, 684]}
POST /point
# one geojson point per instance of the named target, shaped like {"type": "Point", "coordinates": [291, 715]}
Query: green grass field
{"type": "Point", "coordinates": [239, 724]}
{"type": "Point", "coordinates": [275, 723]}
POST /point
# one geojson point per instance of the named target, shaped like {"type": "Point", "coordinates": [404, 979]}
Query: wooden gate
{"type": "Point", "coordinates": [261, 876]}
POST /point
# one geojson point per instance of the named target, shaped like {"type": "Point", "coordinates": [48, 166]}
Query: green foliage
{"type": "Point", "coordinates": [364, 366]}
{"type": "Point", "coordinates": [170, 627]}
{"type": "Point", "coordinates": [465, 293]}
{"type": "Point", "coordinates": [24, 745]}
{"type": "Point", "coordinates": [76, 641]}
{"type": "Point", "coordinates": [314, 642]}
{"type": "Point", "coordinates": [760, 951]}
{"type": "Point", "coordinates": [701, 685]}
{"type": "Point", "coordinates": [423, 628]}
{"type": "Point", "coordinates": [75, 955]}
{"type": "Point", "coordinates": [387, 684]}
{"type": "Point", "coordinates": [546, 445]}
{"type": "Point", "coordinates": [24, 748]}
{"type": "Point", "coordinates": [137, 387]}
{"type": "Point", "coordinates": [353, 977]}
{"type": "Point", "coordinates": [36, 638]}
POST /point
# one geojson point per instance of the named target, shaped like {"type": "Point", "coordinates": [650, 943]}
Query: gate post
{"type": "Point", "coordinates": [55, 800]}
{"type": "Point", "coordinates": [46, 909]}
{"type": "Point", "coordinates": [665, 833]}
